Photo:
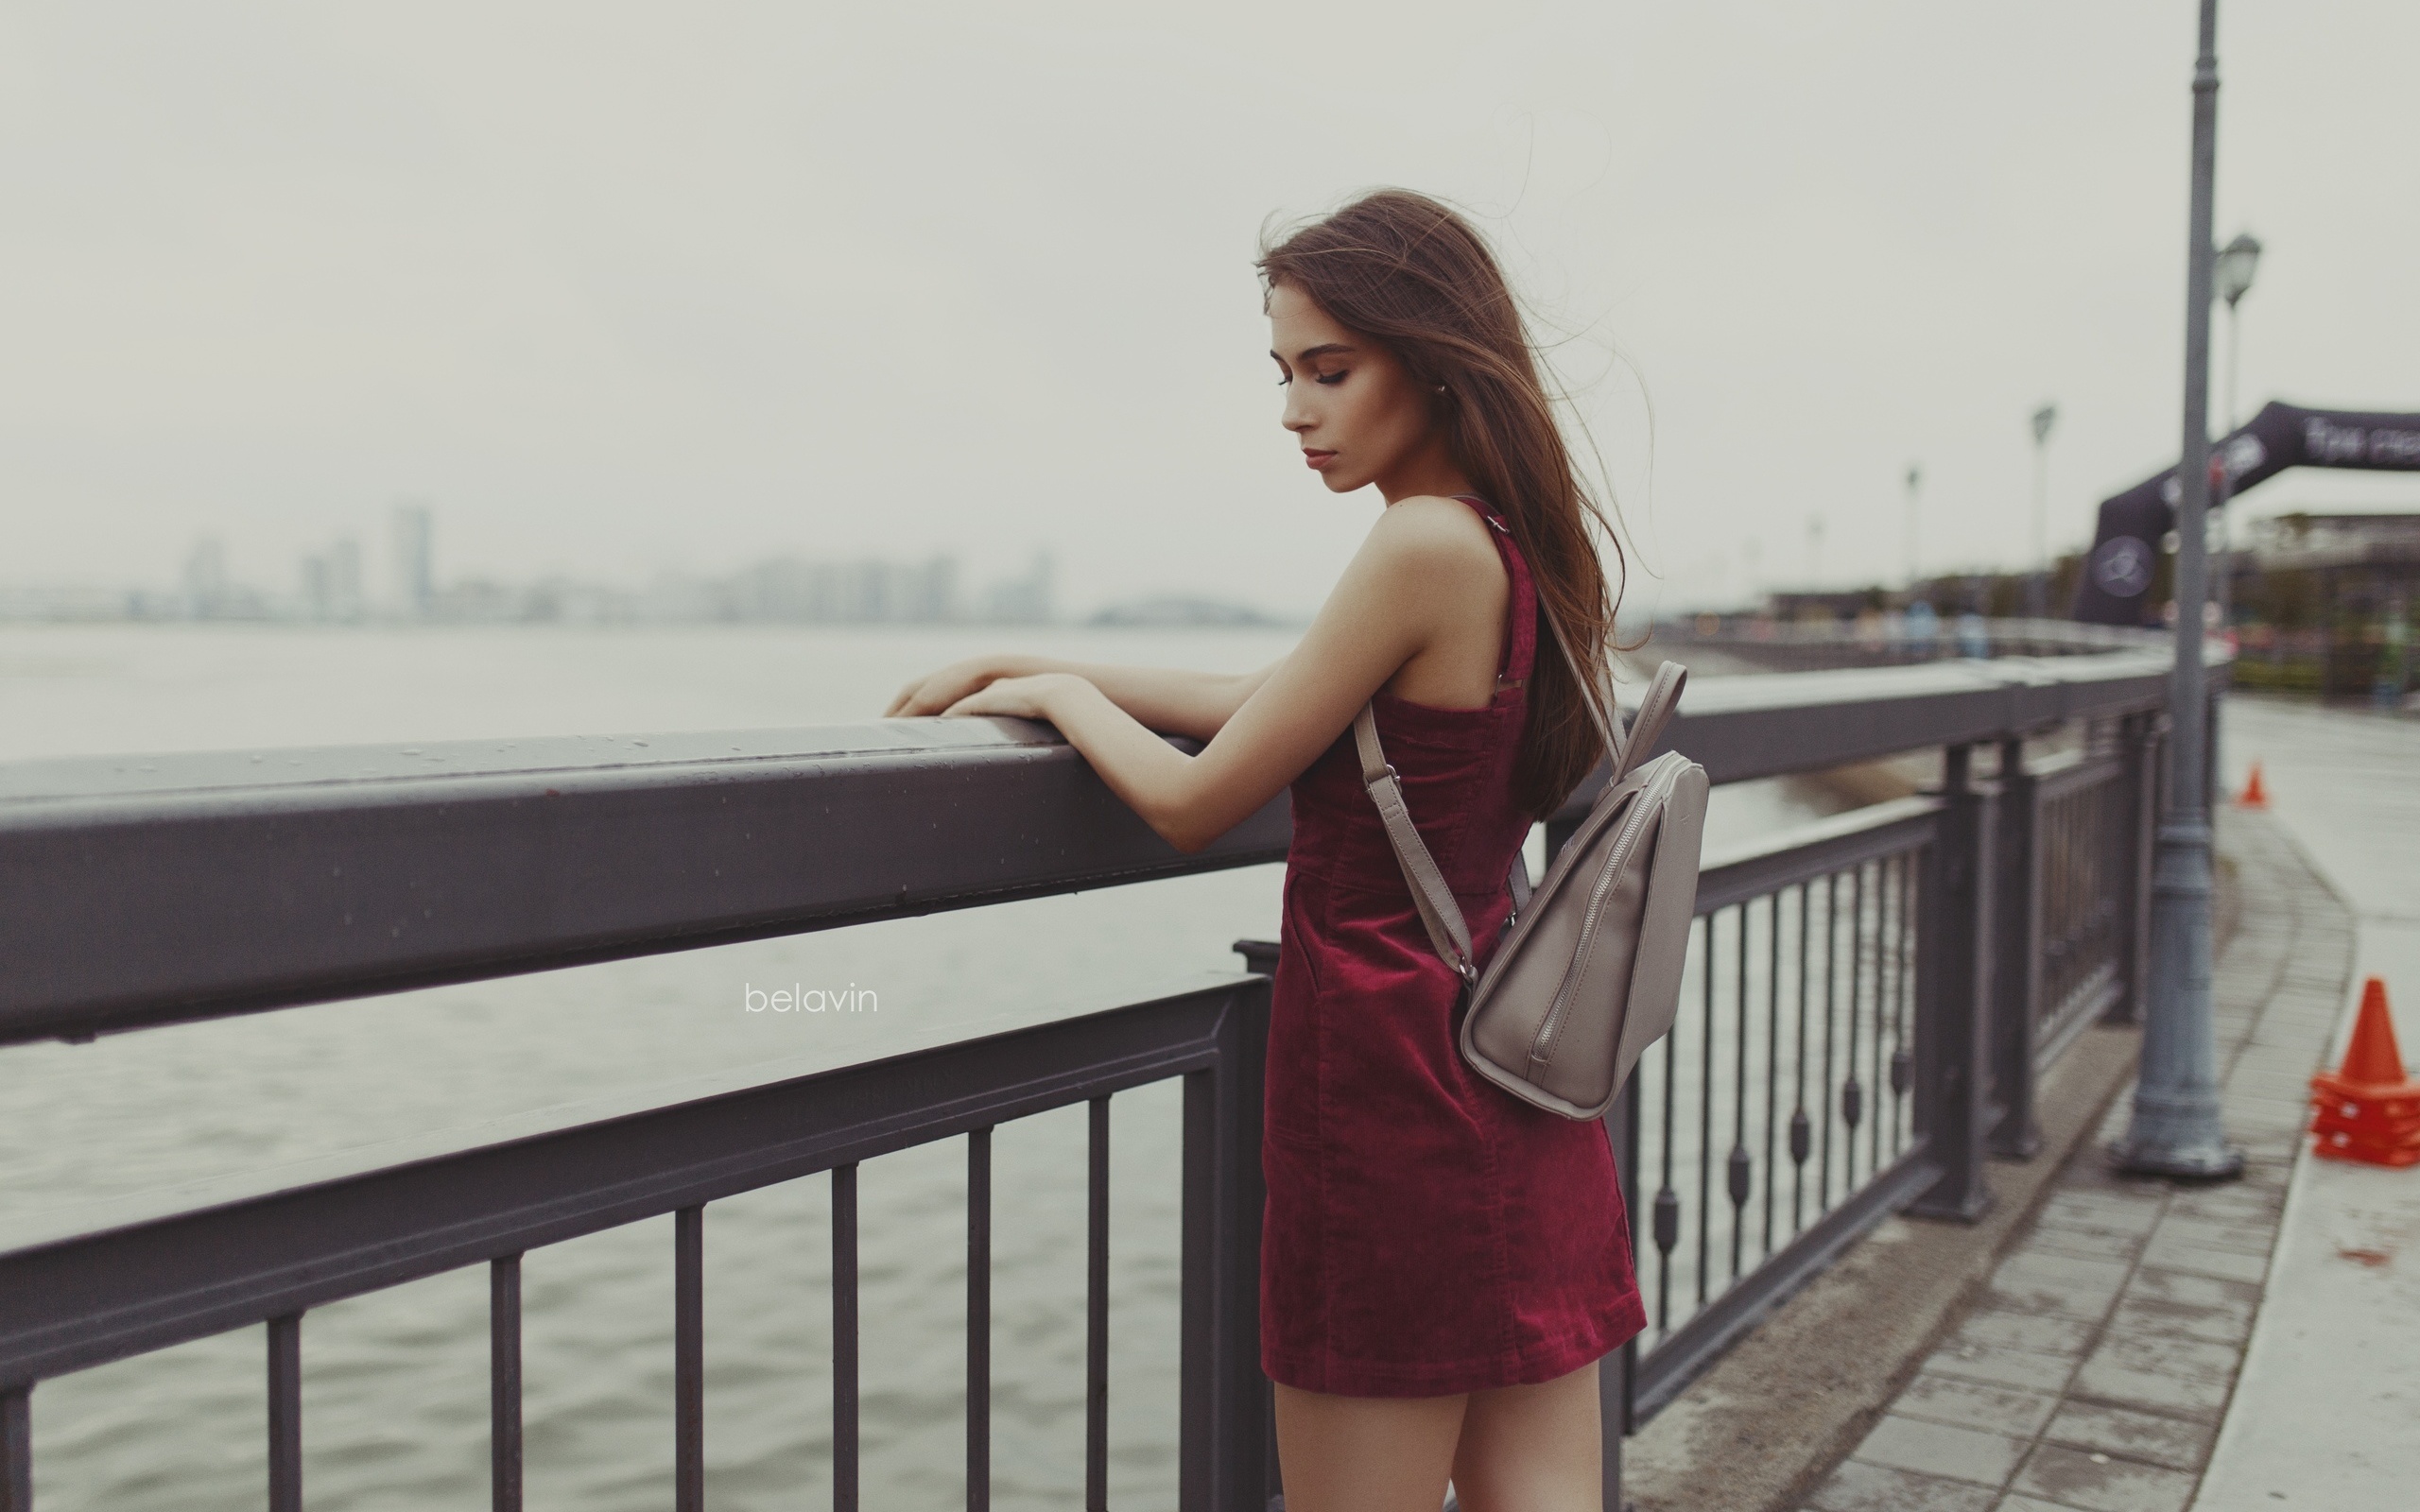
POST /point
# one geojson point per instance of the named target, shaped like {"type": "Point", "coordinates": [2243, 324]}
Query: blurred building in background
{"type": "Point", "coordinates": [415, 560]}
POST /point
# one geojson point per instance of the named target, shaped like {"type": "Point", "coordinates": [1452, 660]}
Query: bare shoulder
{"type": "Point", "coordinates": [1430, 535]}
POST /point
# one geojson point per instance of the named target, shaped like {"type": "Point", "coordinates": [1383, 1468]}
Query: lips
{"type": "Point", "coordinates": [1316, 459]}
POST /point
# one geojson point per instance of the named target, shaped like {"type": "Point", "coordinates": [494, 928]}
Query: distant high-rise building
{"type": "Point", "coordinates": [331, 582]}
{"type": "Point", "coordinates": [205, 582]}
{"type": "Point", "coordinates": [313, 587]}
{"type": "Point", "coordinates": [415, 586]}
{"type": "Point", "coordinates": [344, 579]}
{"type": "Point", "coordinates": [1024, 600]}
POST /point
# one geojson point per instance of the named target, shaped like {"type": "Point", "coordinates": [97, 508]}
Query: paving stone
{"type": "Point", "coordinates": [2067, 1271]}
{"type": "Point", "coordinates": [1856, 1487]}
{"type": "Point", "coordinates": [2187, 1377]}
{"type": "Point", "coordinates": [2084, 1244]}
{"type": "Point", "coordinates": [2265, 1143]}
{"type": "Point", "coordinates": [2260, 1078]}
{"type": "Point", "coordinates": [1992, 1328]}
{"type": "Point", "coordinates": [2226, 1265]}
{"type": "Point", "coordinates": [1972, 1404]}
{"type": "Point", "coordinates": [2264, 1115]}
{"type": "Point", "coordinates": [2171, 1441]}
{"type": "Point", "coordinates": [2214, 1323]}
{"type": "Point", "coordinates": [2073, 1478]}
{"type": "Point", "coordinates": [1941, 1450]}
{"type": "Point", "coordinates": [2181, 1286]}
{"type": "Point", "coordinates": [2022, 1369]}
{"type": "Point", "coordinates": [2267, 1174]}
{"type": "Point", "coordinates": [2026, 1503]}
{"type": "Point", "coordinates": [2228, 1204]}
{"type": "Point", "coordinates": [2243, 1238]}
{"type": "Point", "coordinates": [2064, 1285]}
{"type": "Point", "coordinates": [2069, 1209]}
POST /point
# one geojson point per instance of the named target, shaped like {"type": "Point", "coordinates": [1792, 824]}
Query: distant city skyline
{"type": "Point", "coordinates": [789, 587]}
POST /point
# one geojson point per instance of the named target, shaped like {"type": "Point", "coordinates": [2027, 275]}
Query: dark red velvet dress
{"type": "Point", "coordinates": [1427, 1232]}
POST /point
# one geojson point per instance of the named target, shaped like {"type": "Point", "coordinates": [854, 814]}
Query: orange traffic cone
{"type": "Point", "coordinates": [2254, 796]}
{"type": "Point", "coordinates": [2369, 1109]}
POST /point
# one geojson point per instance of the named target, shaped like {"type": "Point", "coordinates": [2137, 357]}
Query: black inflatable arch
{"type": "Point", "coordinates": [2125, 550]}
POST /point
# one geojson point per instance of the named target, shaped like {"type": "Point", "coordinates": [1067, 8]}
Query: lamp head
{"type": "Point", "coordinates": [2237, 262]}
{"type": "Point", "coordinates": [2043, 419]}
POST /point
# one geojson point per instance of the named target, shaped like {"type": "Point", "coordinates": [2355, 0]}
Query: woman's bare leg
{"type": "Point", "coordinates": [1365, 1453]}
{"type": "Point", "coordinates": [1533, 1448]}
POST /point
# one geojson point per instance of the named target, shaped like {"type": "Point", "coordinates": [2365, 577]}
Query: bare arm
{"type": "Point", "coordinates": [1169, 699]}
{"type": "Point", "coordinates": [1393, 601]}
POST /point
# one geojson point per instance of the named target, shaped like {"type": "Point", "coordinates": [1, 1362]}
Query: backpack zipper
{"type": "Point", "coordinates": [1516, 923]}
{"type": "Point", "coordinates": [1634, 825]}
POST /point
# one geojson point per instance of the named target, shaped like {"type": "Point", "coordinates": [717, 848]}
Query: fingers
{"type": "Point", "coordinates": [909, 701]}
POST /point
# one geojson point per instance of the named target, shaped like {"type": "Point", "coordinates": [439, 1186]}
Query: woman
{"type": "Point", "coordinates": [1442, 1264]}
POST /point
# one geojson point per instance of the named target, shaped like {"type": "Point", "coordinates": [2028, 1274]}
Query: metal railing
{"type": "Point", "coordinates": [1795, 646]}
{"type": "Point", "coordinates": [1841, 1054]}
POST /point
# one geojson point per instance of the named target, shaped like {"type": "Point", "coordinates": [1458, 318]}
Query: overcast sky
{"type": "Point", "coordinates": [621, 287]}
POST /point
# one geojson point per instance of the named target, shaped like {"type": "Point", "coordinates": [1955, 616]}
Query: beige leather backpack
{"type": "Point", "coordinates": [1589, 971]}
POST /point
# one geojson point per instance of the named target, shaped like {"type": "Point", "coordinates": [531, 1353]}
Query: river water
{"type": "Point", "coordinates": [395, 1384]}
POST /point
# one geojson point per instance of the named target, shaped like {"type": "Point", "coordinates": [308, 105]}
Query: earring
{"type": "Point", "coordinates": [1441, 389]}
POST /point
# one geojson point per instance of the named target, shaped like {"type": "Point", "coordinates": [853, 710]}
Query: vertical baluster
{"type": "Point", "coordinates": [1737, 1182]}
{"type": "Point", "coordinates": [844, 1337]}
{"type": "Point", "coordinates": [504, 1382]}
{"type": "Point", "coordinates": [1706, 1124]}
{"type": "Point", "coordinates": [1885, 978]}
{"type": "Point", "coordinates": [1668, 1202]}
{"type": "Point", "coordinates": [978, 1318]}
{"type": "Point", "coordinates": [1096, 1317]}
{"type": "Point", "coordinates": [1903, 1060]}
{"type": "Point", "coordinates": [16, 1448]}
{"type": "Point", "coordinates": [1851, 1090]}
{"type": "Point", "coordinates": [689, 1360]}
{"type": "Point", "coordinates": [286, 1413]}
{"type": "Point", "coordinates": [1831, 1020]}
{"type": "Point", "coordinates": [1773, 1054]}
{"type": "Point", "coordinates": [1801, 1143]}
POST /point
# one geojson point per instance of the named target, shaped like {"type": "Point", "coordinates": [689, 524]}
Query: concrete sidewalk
{"type": "Point", "coordinates": [2094, 1373]}
{"type": "Point", "coordinates": [2327, 1412]}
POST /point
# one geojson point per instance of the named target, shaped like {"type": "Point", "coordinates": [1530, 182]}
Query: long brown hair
{"type": "Point", "coordinates": [1407, 271]}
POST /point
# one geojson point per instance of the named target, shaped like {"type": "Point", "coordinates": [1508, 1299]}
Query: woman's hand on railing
{"type": "Point", "coordinates": [1022, 698]}
{"type": "Point", "coordinates": [936, 691]}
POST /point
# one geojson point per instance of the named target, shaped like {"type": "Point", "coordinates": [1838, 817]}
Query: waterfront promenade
{"type": "Point", "coordinates": [2147, 1348]}
{"type": "Point", "coordinates": [2074, 1342]}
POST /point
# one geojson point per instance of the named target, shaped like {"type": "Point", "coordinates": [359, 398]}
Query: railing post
{"type": "Point", "coordinates": [1953, 995]}
{"type": "Point", "coordinates": [2016, 955]}
{"type": "Point", "coordinates": [1613, 1401]}
{"type": "Point", "coordinates": [16, 1448]}
{"type": "Point", "coordinates": [1223, 1449]}
{"type": "Point", "coordinates": [2138, 747]}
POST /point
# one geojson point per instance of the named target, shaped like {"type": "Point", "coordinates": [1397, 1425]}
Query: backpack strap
{"type": "Point", "coordinates": [1655, 710]}
{"type": "Point", "coordinates": [1439, 912]}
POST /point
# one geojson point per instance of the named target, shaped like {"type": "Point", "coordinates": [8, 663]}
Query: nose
{"type": "Point", "coordinates": [1297, 417]}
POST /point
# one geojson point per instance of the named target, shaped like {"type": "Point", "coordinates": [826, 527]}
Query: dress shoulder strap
{"type": "Point", "coordinates": [1519, 653]}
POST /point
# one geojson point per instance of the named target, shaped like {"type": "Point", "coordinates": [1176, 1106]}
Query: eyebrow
{"type": "Point", "coordinates": [1325, 350]}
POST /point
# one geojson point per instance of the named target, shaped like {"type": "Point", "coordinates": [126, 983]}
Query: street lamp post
{"type": "Point", "coordinates": [1915, 484]}
{"type": "Point", "coordinates": [2236, 264]}
{"type": "Point", "coordinates": [2037, 591]}
{"type": "Point", "coordinates": [2176, 1130]}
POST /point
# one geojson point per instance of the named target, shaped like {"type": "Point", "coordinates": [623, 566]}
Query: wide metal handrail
{"type": "Point", "coordinates": [375, 869]}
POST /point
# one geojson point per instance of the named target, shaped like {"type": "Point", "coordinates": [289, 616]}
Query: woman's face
{"type": "Point", "coordinates": [1360, 418]}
